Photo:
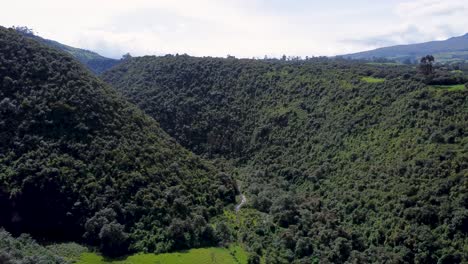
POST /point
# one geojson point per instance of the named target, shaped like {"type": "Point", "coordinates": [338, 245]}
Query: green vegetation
{"type": "Point", "coordinates": [79, 163]}
{"type": "Point", "coordinates": [90, 59]}
{"type": "Point", "coordinates": [384, 63]}
{"type": "Point", "coordinates": [336, 170]}
{"type": "Point", "coordinates": [231, 255]}
{"type": "Point", "coordinates": [69, 252]}
{"type": "Point", "coordinates": [25, 250]}
{"type": "Point", "coordinates": [453, 50]}
{"type": "Point", "coordinates": [372, 80]}
{"type": "Point", "coordinates": [451, 88]}
{"type": "Point", "coordinates": [452, 57]}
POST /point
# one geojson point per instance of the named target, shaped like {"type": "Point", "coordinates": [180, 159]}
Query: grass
{"type": "Point", "coordinates": [232, 255]}
{"type": "Point", "coordinates": [372, 80]}
{"type": "Point", "coordinates": [450, 88]}
{"type": "Point", "coordinates": [68, 251]}
{"type": "Point", "coordinates": [284, 110]}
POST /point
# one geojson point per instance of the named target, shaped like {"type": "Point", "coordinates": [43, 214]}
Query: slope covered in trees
{"type": "Point", "coordinates": [336, 169]}
{"type": "Point", "coordinates": [91, 59]}
{"type": "Point", "coordinates": [77, 162]}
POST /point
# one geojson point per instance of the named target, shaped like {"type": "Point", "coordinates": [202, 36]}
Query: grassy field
{"type": "Point", "coordinates": [372, 80]}
{"type": "Point", "coordinates": [231, 255]}
{"type": "Point", "coordinates": [451, 88]}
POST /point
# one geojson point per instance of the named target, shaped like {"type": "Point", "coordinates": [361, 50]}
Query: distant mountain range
{"type": "Point", "coordinates": [91, 59]}
{"type": "Point", "coordinates": [450, 50]}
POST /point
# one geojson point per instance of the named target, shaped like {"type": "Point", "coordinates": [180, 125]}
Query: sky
{"type": "Point", "coordinates": [241, 28]}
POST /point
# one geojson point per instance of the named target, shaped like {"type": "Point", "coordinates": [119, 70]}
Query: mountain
{"type": "Point", "coordinates": [92, 60]}
{"type": "Point", "coordinates": [78, 162]}
{"type": "Point", "coordinates": [340, 161]}
{"type": "Point", "coordinates": [450, 50]}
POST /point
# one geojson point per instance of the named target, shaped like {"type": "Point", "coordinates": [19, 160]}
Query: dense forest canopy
{"type": "Point", "coordinates": [78, 162]}
{"type": "Point", "coordinates": [341, 161]}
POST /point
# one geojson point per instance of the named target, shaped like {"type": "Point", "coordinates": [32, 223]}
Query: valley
{"type": "Point", "coordinates": [338, 157]}
{"type": "Point", "coordinates": [182, 159]}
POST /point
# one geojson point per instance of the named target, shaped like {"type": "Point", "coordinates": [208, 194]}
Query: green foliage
{"type": "Point", "coordinates": [76, 159]}
{"type": "Point", "coordinates": [71, 252]}
{"type": "Point", "coordinates": [232, 255]}
{"type": "Point", "coordinates": [336, 169]}
{"type": "Point", "coordinates": [24, 250]}
{"type": "Point", "coordinates": [90, 59]}
{"type": "Point", "coordinates": [372, 80]}
{"type": "Point", "coordinates": [451, 88]}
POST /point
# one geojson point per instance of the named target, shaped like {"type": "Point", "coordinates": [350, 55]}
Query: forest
{"type": "Point", "coordinates": [93, 61]}
{"type": "Point", "coordinates": [79, 163]}
{"type": "Point", "coordinates": [340, 161]}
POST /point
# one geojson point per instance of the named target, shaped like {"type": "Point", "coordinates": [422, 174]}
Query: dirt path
{"type": "Point", "coordinates": [243, 201]}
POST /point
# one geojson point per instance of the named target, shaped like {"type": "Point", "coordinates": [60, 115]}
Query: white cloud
{"type": "Point", "coordinates": [418, 21]}
{"type": "Point", "coordinates": [239, 27]}
{"type": "Point", "coordinates": [424, 8]}
{"type": "Point", "coordinates": [435, 19]}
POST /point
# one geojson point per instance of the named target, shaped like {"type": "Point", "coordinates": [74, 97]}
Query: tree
{"type": "Point", "coordinates": [303, 247]}
{"type": "Point", "coordinates": [223, 233]}
{"type": "Point", "coordinates": [24, 30]}
{"type": "Point", "coordinates": [426, 66]}
{"type": "Point", "coordinates": [5, 258]}
{"type": "Point", "coordinates": [113, 239]}
{"type": "Point", "coordinates": [253, 259]}
{"type": "Point", "coordinates": [94, 224]}
{"type": "Point", "coordinates": [126, 56]}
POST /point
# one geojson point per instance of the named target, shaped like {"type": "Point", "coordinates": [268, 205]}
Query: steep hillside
{"type": "Point", "coordinates": [92, 60]}
{"type": "Point", "coordinates": [450, 50]}
{"type": "Point", "coordinates": [337, 167]}
{"type": "Point", "coordinates": [78, 162]}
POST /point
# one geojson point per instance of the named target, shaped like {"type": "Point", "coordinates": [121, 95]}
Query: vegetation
{"type": "Point", "coordinates": [90, 59]}
{"type": "Point", "coordinates": [336, 169]}
{"type": "Point", "coordinates": [452, 50]}
{"type": "Point", "coordinates": [426, 65]}
{"type": "Point", "coordinates": [373, 80]}
{"type": "Point", "coordinates": [452, 88]}
{"type": "Point", "coordinates": [25, 250]}
{"type": "Point", "coordinates": [231, 255]}
{"type": "Point", "coordinates": [77, 162]}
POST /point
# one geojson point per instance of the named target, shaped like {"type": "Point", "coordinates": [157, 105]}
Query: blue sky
{"type": "Point", "coordinates": [243, 28]}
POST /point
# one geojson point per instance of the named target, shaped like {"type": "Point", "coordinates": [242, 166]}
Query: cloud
{"type": "Point", "coordinates": [419, 21]}
{"type": "Point", "coordinates": [435, 19]}
{"type": "Point", "coordinates": [243, 28]}
{"type": "Point", "coordinates": [410, 34]}
{"type": "Point", "coordinates": [424, 8]}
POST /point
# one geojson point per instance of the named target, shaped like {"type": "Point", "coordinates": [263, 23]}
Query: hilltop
{"type": "Point", "coordinates": [451, 50]}
{"type": "Point", "coordinates": [95, 62]}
